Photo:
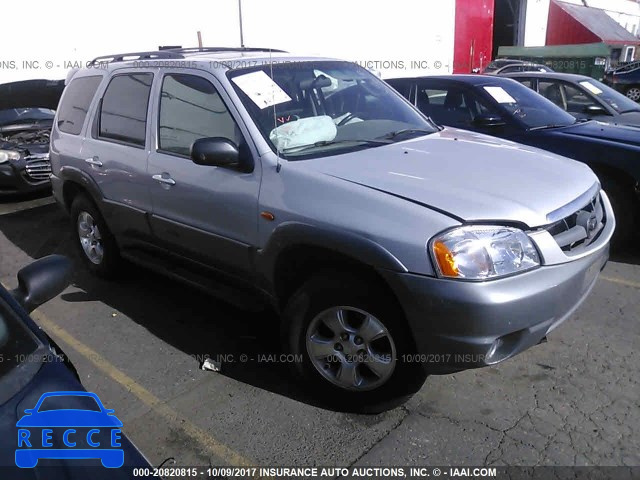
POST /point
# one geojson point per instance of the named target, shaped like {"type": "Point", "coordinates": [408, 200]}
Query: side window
{"type": "Point", "coordinates": [434, 96]}
{"type": "Point", "coordinates": [77, 98]}
{"type": "Point", "coordinates": [123, 115]}
{"type": "Point", "coordinates": [577, 100]}
{"type": "Point", "coordinates": [512, 69]}
{"type": "Point", "coordinates": [552, 91]}
{"type": "Point", "coordinates": [445, 105]}
{"type": "Point", "coordinates": [191, 108]}
{"type": "Point", "coordinates": [403, 87]}
{"type": "Point", "coordinates": [527, 82]}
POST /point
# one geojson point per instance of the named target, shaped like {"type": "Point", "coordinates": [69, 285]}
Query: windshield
{"type": "Point", "coordinates": [526, 106]}
{"type": "Point", "coordinates": [25, 115]}
{"type": "Point", "coordinates": [325, 108]}
{"type": "Point", "coordinates": [615, 100]}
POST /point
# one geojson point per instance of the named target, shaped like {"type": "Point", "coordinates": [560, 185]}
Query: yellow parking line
{"type": "Point", "coordinates": [145, 396]}
{"type": "Point", "coordinates": [621, 281]}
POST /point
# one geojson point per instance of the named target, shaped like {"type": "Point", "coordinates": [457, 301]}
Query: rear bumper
{"type": "Point", "coordinates": [459, 325]}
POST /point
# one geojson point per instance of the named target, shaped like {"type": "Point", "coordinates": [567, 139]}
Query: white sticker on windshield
{"type": "Point", "coordinates": [263, 91]}
{"type": "Point", "coordinates": [500, 95]}
{"type": "Point", "coordinates": [591, 87]}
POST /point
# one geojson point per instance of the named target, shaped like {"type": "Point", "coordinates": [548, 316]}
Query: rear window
{"type": "Point", "coordinates": [123, 116]}
{"type": "Point", "coordinates": [75, 105]}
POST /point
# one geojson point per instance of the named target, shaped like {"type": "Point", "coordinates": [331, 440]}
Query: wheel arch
{"type": "Point", "coordinates": [297, 251]}
{"type": "Point", "coordinates": [75, 182]}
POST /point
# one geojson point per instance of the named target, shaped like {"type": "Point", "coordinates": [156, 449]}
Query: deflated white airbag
{"type": "Point", "coordinates": [305, 131]}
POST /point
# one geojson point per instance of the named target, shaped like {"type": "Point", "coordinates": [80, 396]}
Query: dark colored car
{"type": "Point", "coordinates": [583, 97]}
{"type": "Point", "coordinates": [499, 63]}
{"type": "Point", "coordinates": [32, 366]}
{"type": "Point", "coordinates": [507, 109]}
{"type": "Point", "coordinates": [626, 79]}
{"type": "Point", "coordinates": [27, 110]}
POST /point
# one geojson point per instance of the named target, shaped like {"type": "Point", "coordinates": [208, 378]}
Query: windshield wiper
{"type": "Point", "coordinates": [325, 143]}
{"type": "Point", "coordinates": [405, 131]}
{"type": "Point", "coordinates": [553, 125]}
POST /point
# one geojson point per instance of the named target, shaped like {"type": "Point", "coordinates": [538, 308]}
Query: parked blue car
{"type": "Point", "coordinates": [507, 109]}
{"type": "Point", "coordinates": [45, 412]}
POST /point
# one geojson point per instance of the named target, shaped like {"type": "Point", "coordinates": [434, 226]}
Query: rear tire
{"type": "Point", "coordinates": [377, 364]}
{"type": "Point", "coordinates": [95, 243]}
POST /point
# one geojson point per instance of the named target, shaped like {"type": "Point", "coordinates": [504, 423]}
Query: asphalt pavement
{"type": "Point", "coordinates": [139, 343]}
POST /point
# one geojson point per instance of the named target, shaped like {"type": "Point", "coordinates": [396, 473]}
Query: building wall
{"type": "Point", "coordinates": [625, 12]}
{"type": "Point", "coordinates": [399, 38]}
{"type": "Point", "coordinates": [563, 29]}
{"type": "Point", "coordinates": [473, 35]}
{"type": "Point", "coordinates": [535, 33]}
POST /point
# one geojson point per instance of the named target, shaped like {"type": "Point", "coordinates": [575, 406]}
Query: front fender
{"type": "Point", "coordinates": [291, 234]}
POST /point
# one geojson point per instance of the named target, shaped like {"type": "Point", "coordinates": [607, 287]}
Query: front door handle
{"type": "Point", "coordinates": [165, 180]}
{"type": "Point", "coordinates": [94, 161]}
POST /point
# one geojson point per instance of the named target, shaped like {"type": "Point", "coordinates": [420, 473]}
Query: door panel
{"type": "Point", "coordinates": [116, 157]}
{"type": "Point", "coordinates": [206, 213]}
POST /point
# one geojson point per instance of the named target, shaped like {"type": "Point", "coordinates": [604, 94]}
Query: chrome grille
{"type": "Point", "coordinates": [38, 167]}
{"type": "Point", "coordinates": [577, 231]}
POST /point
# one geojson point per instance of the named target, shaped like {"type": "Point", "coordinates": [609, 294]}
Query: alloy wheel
{"type": "Point", "coordinates": [90, 238]}
{"type": "Point", "coordinates": [351, 348]}
{"type": "Point", "coordinates": [634, 94]}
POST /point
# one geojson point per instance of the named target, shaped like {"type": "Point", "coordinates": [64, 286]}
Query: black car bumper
{"type": "Point", "coordinates": [459, 325]}
{"type": "Point", "coordinates": [14, 179]}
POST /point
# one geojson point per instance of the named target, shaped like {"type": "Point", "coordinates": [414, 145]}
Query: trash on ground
{"type": "Point", "coordinates": [210, 364]}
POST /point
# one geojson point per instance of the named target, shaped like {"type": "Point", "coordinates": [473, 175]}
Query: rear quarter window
{"type": "Point", "coordinates": [75, 103]}
{"type": "Point", "coordinates": [123, 116]}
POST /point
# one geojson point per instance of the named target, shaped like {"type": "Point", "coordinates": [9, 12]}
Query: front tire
{"type": "Point", "coordinates": [96, 245]}
{"type": "Point", "coordinates": [354, 343]}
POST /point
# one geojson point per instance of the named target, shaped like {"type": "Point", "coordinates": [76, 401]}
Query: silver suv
{"type": "Point", "coordinates": [391, 247]}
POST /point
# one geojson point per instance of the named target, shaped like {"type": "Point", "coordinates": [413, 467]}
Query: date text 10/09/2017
{"type": "Point", "coordinates": [313, 472]}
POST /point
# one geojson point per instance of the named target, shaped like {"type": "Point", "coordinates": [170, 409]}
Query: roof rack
{"type": "Point", "coordinates": [223, 49]}
{"type": "Point", "coordinates": [123, 57]}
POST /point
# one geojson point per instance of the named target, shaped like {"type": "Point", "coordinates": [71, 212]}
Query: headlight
{"type": "Point", "coordinates": [481, 252]}
{"type": "Point", "coordinates": [6, 155]}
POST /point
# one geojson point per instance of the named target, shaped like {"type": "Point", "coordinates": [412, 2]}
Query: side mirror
{"type": "Point", "coordinates": [215, 152]}
{"type": "Point", "coordinates": [594, 110]}
{"type": "Point", "coordinates": [489, 121]}
{"type": "Point", "coordinates": [42, 280]}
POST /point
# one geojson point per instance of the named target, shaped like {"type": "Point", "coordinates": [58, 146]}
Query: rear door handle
{"type": "Point", "coordinates": [94, 161]}
{"type": "Point", "coordinates": [165, 180]}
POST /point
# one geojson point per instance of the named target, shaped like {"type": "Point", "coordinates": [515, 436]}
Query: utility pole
{"type": "Point", "coordinates": [240, 18]}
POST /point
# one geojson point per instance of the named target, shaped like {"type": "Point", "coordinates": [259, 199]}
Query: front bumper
{"type": "Point", "coordinates": [14, 180]}
{"type": "Point", "coordinates": [459, 325]}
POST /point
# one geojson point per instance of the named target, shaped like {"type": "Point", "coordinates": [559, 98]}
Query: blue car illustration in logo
{"type": "Point", "coordinates": [69, 425]}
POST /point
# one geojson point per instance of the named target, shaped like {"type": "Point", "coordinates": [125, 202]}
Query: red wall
{"type": "Point", "coordinates": [563, 29]}
{"type": "Point", "coordinates": [474, 32]}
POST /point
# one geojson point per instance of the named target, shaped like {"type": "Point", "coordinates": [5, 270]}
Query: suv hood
{"type": "Point", "coordinates": [466, 175]}
{"type": "Point", "coordinates": [31, 94]}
